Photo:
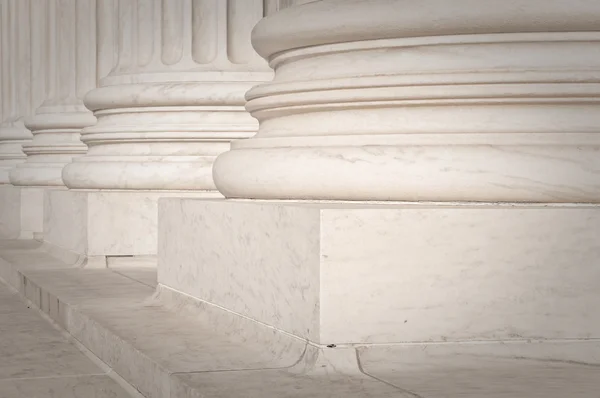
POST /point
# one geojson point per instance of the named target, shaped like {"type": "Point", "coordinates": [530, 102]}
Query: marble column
{"type": "Point", "coordinates": [18, 96]}
{"type": "Point", "coordinates": [397, 109]}
{"type": "Point", "coordinates": [374, 195]}
{"type": "Point", "coordinates": [172, 102]}
{"type": "Point", "coordinates": [175, 99]}
{"type": "Point", "coordinates": [16, 85]}
{"type": "Point", "coordinates": [68, 44]}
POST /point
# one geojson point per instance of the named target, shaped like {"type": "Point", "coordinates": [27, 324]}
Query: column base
{"type": "Point", "coordinates": [102, 224]}
{"type": "Point", "coordinates": [388, 273]}
{"type": "Point", "coordinates": [21, 212]}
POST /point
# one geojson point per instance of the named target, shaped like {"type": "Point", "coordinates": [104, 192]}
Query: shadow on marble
{"type": "Point", "coordinates": [142, 339]}
{"type": "Point", "coordinates": [281, 384]}
{"type": "Point", "coordinates": [19, 244]}
{"type": "Point", "coordinates": [63, 387]}
{"type": "Point", "coordinates": [31, 347]}
{"type": "Point", "coordinates": [513, 370]}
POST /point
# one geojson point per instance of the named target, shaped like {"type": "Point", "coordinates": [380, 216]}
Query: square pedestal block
{"type": "Point", "coordinates": [389, 273]}
{"type": "Point", "coordinates": [21, 212]}
{"type": "Point", "coordinates": [103, 223]}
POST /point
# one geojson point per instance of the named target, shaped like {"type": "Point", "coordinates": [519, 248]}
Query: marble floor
{"type": "Point", "coordinates": [38, 360]}
{"type": "Point", "coordinates": [106, 330]}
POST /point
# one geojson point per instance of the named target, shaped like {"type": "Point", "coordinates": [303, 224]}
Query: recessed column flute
{"type": "Point", "coordinates": [175, 99]}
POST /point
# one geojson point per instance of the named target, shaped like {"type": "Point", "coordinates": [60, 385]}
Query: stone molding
{"type": "Point", "coordinates": [387, 102]}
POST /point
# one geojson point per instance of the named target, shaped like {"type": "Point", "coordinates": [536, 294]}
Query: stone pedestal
{"type": "Point", "coordinates": [101, 224]}
{"type": "Point", "coordinates": [21, 212]}
{"type": "Point", "coordinates": [389, 273]}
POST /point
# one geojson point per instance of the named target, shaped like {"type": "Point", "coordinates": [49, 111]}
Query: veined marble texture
{"type": "Point", "coordinates": [105, 223]}
{"type": "Point", "coordinates": [10, 212]}
{"type": "Point", "coordinates": [429, 101]}
{"type": "Point", "coordinates": [357, 273]}
{"type": "Point", "coordinates": [38, 361]}
{"type": "Point", "coordinates": [174, 97]}
{"type": "Point", "coordinates": [193, 353]}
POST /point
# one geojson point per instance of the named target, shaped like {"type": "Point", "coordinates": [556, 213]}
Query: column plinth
{"type": "Point", "coordinates": [391, 103]}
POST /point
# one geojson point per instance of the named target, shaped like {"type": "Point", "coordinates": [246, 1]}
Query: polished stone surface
{"type": "Point", "coordinates": [105, 223]}
{"type": "Point", "coordinates": [10, 210]}
{"type": "Point", "coordinates": [169, 345]}
{"type": "Point", "coordinates": [431, 100]}
{"type": "Point", "coordinates": [37, 360]}
{"type": "Point", "coordinates": [396, 272]}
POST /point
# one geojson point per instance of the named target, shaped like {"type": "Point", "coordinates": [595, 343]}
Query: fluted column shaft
{"type": "Point", "coordinates": [432, 100]}
{"type": "Point", "coordinates": [15, 75]}
{"type": "Point", "coordinates": [70, 72]}
{"type": "Point", "coordinates": [175, 98]}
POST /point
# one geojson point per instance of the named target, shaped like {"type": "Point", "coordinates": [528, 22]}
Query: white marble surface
{"type": "Point", "coordinates": [536, 370]}
{"type": "Point", "coordinates": [10, 212]}
{"type": "Point", "coordinates": [429, 101]}
{"type": "Point", "coordinates": [256, 261]}
{"type": "Point", "coordinates": [188, 355]}
{"type": "Point", "coordinates": [114, 316]}
{"type": "Point", "coordinates": [389, 273]}
{"type": "Point", "coordinates": [72, 387]}
{"type": "Point", "coordinates": [38, 361]}
{"type": "Point", "coordinates": [21, 212]}
{"type": "Point", "coordinates": [17, 97]}
{"type": "Point", "coordinates": [63, 50]}
{"type": "Point", "coordinates": [105, 223]}
{"type": "Point", "coordinates": [32, 212]}
{"type": "Point", "coordinates": [167, 112]}
{"type": "Point", "coordinates": [65, 220]}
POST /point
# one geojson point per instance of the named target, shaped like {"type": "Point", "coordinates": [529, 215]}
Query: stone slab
{"type": "Point", "coordinates": [10, 210]}
{"type": "Point", "coordinates": [63, 387]}
{"type": "Point", "coordinates": [389, 273]}
{"type": "Point", "coordinates": [282, 384]}
{"type": "Point", "coordinates": [146, 337]}
{"type": "Point", "coordinates": [169, 345]}
{"type": "Point", "coordinates": [30, 347]}
{"type": "Point", "coordinates": [536, 369]}
{"type": "Point", "coordinates": [32, 212]}
{"type": "Point", "coordinates": [104, 223]}
{"type": "Point", "coordinates": [21, 212]}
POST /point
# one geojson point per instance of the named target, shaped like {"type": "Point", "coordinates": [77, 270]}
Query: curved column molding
{"type": "Point", "coordinates": [175, 98]}
{"type": "Point", "coordinates": [424, 101]}
{"type": "Point", "coordinates": [70, 34]}
{"type": "Point", "coordinates": [15, 65]}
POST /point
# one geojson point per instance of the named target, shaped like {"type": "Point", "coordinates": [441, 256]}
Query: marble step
{"type": "Point", "coordinates": [167, 345]}
{"type": "Point", "coordinates": [37, 359]}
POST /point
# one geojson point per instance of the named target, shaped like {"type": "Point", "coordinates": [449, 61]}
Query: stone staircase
{"type": "Point", "coordinates": [166, 344]}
